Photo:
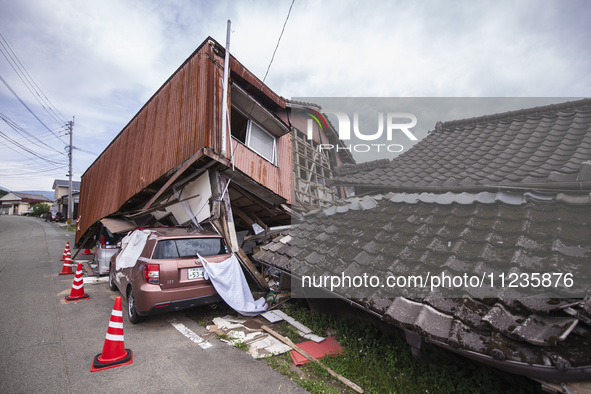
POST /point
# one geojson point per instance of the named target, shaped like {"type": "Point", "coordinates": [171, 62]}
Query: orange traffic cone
{"type": "Point", "coordinates": [66, 250]}
{"type": "Point", "coordinates": [86, 252]}
{"type": "Point", "coordinates": [77, 292]}
{"type": "Point", "coordinates": [114, 353]}
{"type": "Point", "coordinates": [67, 267]}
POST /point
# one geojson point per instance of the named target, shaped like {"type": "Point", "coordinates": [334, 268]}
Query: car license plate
{"type": "Point", "coordinates": [195, 273]}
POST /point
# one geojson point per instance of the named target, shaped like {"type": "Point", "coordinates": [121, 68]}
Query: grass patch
{"type": "Point", "coordinates": [311, 376]}
{"type": "Point", "coordinates": [378, 362]}
{"type": "Point", "coordinates": [383, 363]}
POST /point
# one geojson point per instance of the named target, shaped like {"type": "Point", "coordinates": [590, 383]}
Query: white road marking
{"type": "Point", "coordinates": [93, 280]}
{"type": "Point", "coordinates": [187, 332]}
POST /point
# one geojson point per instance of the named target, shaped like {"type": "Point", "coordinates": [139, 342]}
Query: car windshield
{"type": "Point", "coordinates": [188, 248]}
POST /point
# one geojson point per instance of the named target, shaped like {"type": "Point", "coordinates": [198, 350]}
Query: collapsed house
{"type": "Point", "coordinates": [188, 158]}
{"type": "Point", "coordinates": [505, 197]}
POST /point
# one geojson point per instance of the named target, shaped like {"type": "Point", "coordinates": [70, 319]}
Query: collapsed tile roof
{"type": "Point", "coordinates": [542, 146]}
{"type": "Point", "coordinates": [443, 216]}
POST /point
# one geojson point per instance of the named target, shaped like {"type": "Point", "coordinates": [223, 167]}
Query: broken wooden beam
{"type": "Point", "coordinates": [250, 266]}
{"type": "Point", "coordinates": [242, 257]}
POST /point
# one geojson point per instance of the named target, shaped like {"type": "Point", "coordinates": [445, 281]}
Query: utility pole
{"type": "Point", "coordinates": [70, 126]}
{"type": "Point", "coordinates": [225, 90]}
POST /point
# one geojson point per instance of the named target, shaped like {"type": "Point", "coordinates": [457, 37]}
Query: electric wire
{"type": "Point", "coordinates": [24, 148]}
{"type": "Point", "coordinates": [278, 41]}
{"type": "Point", "coordinates": [24, 133]}
{"type": "Point", "coordinates": [273, 56]}
{"type": "Point", "coordinates": [27, 144]}
{"type": "Point", "coordinates": [24, 75]}
{"type": "Point", "coordinates": [29, 109]}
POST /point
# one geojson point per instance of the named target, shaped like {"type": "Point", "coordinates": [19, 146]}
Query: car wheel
{"type": "Point", "coordinates": [131, 311]}
{"type": "Point", "coordinates": [112, 285]}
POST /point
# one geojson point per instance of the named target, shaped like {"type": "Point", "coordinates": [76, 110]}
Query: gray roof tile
{"type": "Point", "coordinates": [481, 230]}
{"type": "Point", "coordinates": [545, 330]}
{"type": "Point", "coordinates": [487, 150]}
{"type": "Point", "coordinates": [397, 237]}
{"type": "Point", "coordinates": [419, 316]}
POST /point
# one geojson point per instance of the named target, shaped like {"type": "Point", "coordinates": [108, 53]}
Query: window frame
{"type": "Point", "coordinates": [273, 160]}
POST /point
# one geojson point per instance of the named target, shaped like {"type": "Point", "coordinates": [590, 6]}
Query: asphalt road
{"type": "Point", "coordinates": [47, 345]}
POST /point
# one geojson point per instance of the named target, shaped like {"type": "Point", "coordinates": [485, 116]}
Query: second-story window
{"type": "Point", "coordinates": [253, 135]}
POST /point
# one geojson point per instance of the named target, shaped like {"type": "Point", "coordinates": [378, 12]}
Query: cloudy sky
{"type": "Point", "coordinates": [100, 61]}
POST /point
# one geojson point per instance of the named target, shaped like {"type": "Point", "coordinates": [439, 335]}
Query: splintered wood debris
{"type": "Point", "coordinates": [249, 331]}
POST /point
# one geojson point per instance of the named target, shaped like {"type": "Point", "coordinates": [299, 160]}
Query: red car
{"type": "Point", "coordinates": [167, 275]}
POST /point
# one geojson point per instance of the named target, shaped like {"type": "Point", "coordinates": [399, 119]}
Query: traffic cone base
{"type": "Point", "coordinates": [97, 365]}
{"type": "Point", "coordinates": [65, 273]}
{"type": "Point", "coordinates": [77, 292]}
{"type": "Point", "coordinates": [66, 269]}
{"type": "Point", "coordinates": [86, 252]}
{"type": "Point", "coordinates": [80, 298]}
{"type": "Point", "coordinates": [114, 353]}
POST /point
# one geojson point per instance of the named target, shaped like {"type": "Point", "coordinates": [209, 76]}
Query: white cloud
{"type": "Point", "coordinates": [102, 60]}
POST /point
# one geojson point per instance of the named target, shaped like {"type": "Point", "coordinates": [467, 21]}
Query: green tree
{"type": "Point", "coordinates": [39, 209]}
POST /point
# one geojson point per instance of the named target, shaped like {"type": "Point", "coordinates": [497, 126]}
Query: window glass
{"type": "Point", "coordinates": [189, 248]}
{"type": "Point", "coordinates": [262, 142]}
{"type": "Point", "coordinates": [238, 125]}
{"type": "Point", "coordinates": [110, 238]}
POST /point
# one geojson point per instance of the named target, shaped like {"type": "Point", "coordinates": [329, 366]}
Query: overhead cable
{"type": "Point", "coordinates": [27, 107]}
{"type": "Point", "coordinates": [24, 75]}
{"type": "Point", "coordinates": [279, 40]}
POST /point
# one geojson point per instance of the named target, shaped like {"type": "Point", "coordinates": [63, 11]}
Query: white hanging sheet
{"type": "Point", "coordinates": [229, 281]}
{"type": "Point", "coordinates": [131, 248]}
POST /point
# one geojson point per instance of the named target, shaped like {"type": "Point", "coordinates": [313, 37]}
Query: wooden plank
{"type": "Point", "coordinates": [259, 221]}
{"type": "Point", "coordinates": [293, 322]}
{"type": "Point", "coordinates": [288, 342]}
{"type": "Point", "coordinates": [250, 266]}
{"type": "Point", "coordinates": [159, 207]}
{"type": "Point", "coordinates": [254, 200]}
{"type": "Point", "coordinates": [243, 215]}
{"type": "Point", "coordinates": [292, 213]}
{"type": "Point", "coordinates": [173, 178]}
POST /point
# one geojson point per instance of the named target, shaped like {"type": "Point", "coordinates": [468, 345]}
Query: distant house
{"type": "Point", "coordinates": [503, 199]}
{"type": "Point", "coordinates": [61, 192]}
{"type": "Point", "coordinates": [15, 203]}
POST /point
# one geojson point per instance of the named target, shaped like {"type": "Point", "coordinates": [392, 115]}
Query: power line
{"type": "Point", "coordinates": [279, 40]}
{"type": "Point", "coordinates": [273, 56]}
{"type": "Point", "coordinates": [24, 148]}
{"type": "Point", "coordinates": [29, 109]}
{"type": "Point", "coordinates": [24, 75]}
{"type": "Point", "coordinates": [24, 133]}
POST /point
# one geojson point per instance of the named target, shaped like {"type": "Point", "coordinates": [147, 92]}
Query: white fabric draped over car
{"type": "Point", "coordinates": [131, 248]}
{"type": "Point", "coordinates": [229, 281]}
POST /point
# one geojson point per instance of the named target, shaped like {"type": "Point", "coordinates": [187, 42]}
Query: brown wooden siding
{"type": "Point", "coordinates": [276, 178]}
{"type": "Point", "coordinates": [181, 118]}
{"type": "Point", "coordinates": [176, 123]}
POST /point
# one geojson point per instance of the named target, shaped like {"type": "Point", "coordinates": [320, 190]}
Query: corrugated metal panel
{"type": "Point", "coordinates": [181, 118]}
{"type": "Point", "coordinates": [276, 178]}
{"type": "Point", "coordinates": [255, 166]}
{"type": "Point", "coordinates": [168, 130]}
